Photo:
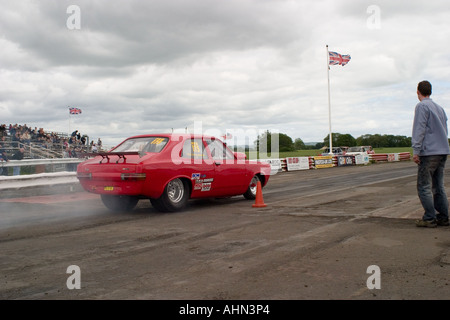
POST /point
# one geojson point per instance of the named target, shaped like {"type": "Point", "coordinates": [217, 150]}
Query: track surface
{"type": "Point", "coordinates": [316, 238]}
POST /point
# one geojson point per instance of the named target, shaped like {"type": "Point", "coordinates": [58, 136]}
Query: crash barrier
{"type": "Point", "coordinates": [69, 165]}
{"type": "Point", "coordinates": [43, 165]}
{"type": "Point", "coordinates": [318, 162]}
{"type": "Point", "coordinates": [37, 162]}
{"type": "Point", "coordinates": [33, 180]}
{"type": "Point", "coordinates": [390, 157]}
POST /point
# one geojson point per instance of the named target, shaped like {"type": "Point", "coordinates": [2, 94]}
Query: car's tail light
{"type": "Point", "coordinates": [133, 176]}
{"type": "Point", "coordinates": [84, 175]}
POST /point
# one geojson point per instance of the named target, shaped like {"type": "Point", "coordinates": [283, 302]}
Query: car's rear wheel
{"type": "Point", "coordinates": [250, 194]}
{"type": "Point", "coordinates": [174, 197]}
{"type": "Point", "coordinates": [119, 203]}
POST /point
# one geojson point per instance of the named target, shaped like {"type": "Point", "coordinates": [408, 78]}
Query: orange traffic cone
{"type": "Point", "coordinates": [259, 202]}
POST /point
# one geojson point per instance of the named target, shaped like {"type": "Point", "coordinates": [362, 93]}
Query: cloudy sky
{"type": "Point", "coordinates": [243, 66]}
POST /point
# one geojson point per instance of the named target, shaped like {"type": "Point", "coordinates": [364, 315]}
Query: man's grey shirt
{"type": "Point", "coordinates": [430, 133]}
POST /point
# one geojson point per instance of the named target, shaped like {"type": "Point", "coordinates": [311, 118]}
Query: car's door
{"type": "Point", "coordinates": [199, 167]}
{"type": "Point", "coordinates": [231, 176]}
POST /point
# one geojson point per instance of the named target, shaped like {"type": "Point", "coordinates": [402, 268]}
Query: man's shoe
{"type": "Point", "coordinates": [426, 223]}
{"type": "Point", "coordinates": [442, 223]}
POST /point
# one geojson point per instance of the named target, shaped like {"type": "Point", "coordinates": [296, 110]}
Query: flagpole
{"type": "Point", "coordinates": [329, 103]}
{"type": "Point", "coordinates": [68, 134]}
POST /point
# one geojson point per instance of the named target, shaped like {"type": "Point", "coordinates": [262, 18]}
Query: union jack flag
{"type": "Point", "coordinates": [74, 110]}
{"type": "Point", "coordinates": [338, 59]}
{"type": "Point", "coordinates": [227, 136]}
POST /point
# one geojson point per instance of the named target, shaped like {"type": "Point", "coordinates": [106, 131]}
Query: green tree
{"type": "Point", "coordinates": [264, 142]}
{"type": "Point", "coordinates": [299, 144]}
{"type": "Point", "coordinates": [383, 141]}
{"type": "Point", "coordinates": [346, 140]}
{"type": "Point", "coordinates": [319, 145]}
{"type": "Point", "coordinates": [340, 140]}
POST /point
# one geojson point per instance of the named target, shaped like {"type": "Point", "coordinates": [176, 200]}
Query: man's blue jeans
{"type": "Point", "coordinates": [16, 171]}
{"type": "Point", "coordinates": [430, 187]}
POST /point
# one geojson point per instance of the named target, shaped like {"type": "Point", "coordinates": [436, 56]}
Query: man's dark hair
{"type": "Point", "coordinates": [424, 88]}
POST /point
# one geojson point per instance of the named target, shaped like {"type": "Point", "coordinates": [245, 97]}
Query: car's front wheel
{"type": "Point", "coordinates": [119, 203]}
{"type": "Point", "coordinates": [174, 197]}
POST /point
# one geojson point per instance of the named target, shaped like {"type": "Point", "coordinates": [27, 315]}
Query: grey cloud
{"type": "Point", "coordinates": [116, 33]}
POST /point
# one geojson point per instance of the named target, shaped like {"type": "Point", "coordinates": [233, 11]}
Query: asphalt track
{"type": "Point", "coordinates": [319, 238]}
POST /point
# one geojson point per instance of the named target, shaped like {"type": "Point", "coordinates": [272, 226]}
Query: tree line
{"type": "Point", "coordinates": [375, 140]}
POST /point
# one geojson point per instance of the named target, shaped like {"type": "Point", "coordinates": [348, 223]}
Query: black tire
{"type": "Point", "coordinates": [174, 198]}
{"type": "Point", "coordinates": [118, 203]}
{"type": "Point", "coordinates": [250, 194]}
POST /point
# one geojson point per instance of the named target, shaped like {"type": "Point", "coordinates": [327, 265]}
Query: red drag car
{"type": "Point", "coordinates": [170, 169]}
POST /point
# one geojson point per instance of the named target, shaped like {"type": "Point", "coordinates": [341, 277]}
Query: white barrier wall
{"type": "Point", "coordinates": [297, 163]}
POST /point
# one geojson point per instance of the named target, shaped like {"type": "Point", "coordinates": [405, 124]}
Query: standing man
{"type": "Point", "coordinates": [3, 158]}
{"type": "Point", "coordinates": [18, 156]}
{"type": "Point", "coordinates": [430, 150]}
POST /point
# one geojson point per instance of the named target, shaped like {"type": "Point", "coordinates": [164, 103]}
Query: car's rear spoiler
{"type": "Point", "coordinates": [106, 155]}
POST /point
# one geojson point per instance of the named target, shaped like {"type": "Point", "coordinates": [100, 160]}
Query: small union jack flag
{"type": "Point", "coordinates": [338, 59]}
{"type": "Point", "coordinates": [227, 136]}
{"type": "Point", "coordinates": [74, 110]}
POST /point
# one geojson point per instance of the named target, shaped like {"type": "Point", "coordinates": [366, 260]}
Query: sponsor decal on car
{"type": "Point", "coordinates": [203, 184]}
{"type": "Point", "coordinates": [198, 186]}
{"type": "Point", "coordinates": [206, 186]}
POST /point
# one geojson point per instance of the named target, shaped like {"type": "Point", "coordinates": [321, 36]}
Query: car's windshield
{"type": "Point", "coordinates": [147, 144]}
{"type": "Point", "coordinates": [354, 149]}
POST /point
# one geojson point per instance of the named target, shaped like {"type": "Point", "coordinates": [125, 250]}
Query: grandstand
{"type": "Point", "coordinates": [41, 144]}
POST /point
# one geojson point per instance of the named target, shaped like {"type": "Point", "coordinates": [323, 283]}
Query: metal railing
{"type": "Point", "coordinates": [37, 162]}
{"type": "Point", "coordinates": [27, 167]}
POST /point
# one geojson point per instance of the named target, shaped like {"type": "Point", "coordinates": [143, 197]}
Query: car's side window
{"type": "Point", "coordinates": [194, 149]}
{"type": "Point", "coordinates": [219, 151]}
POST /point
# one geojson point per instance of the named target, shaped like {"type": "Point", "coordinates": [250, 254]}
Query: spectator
{"type": "Point", "coordinates": [26, 138]}
{"type": "Point", "coordinates": [73, 153]}
{"type": "Point", "coordinates": [18, 156]}
{"type": "Point", "coordinates": [3, 130]}
{"type": "Point", "coordinates": [12, 130]}
{"type": "Point", "coordinates": [3, 158]}
{"type": "Point", "coordinates": [15, 138]}
{"type": "Point", "coordinates": [430, 152]}
{"type": "Point", "coordinates": [66, 153]}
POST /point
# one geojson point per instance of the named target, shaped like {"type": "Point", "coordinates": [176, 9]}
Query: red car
{"type": "Point", "coordinates": [170, 169]}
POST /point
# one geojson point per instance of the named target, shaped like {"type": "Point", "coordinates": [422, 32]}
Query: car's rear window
{"type": "Point", "coordinates": [146, 144]}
